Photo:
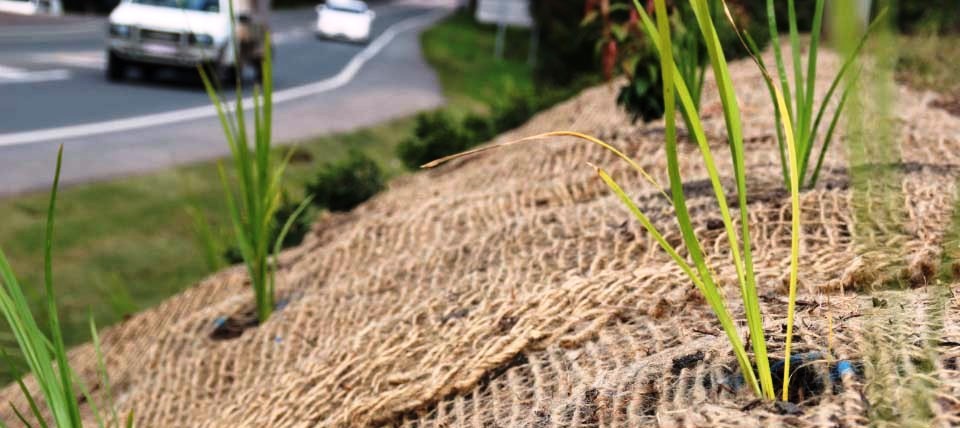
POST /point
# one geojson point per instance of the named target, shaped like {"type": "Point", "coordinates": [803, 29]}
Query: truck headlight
{"type": "Point", "coordinates": [201, 39]}
{"type": "Point", "coordinates": [122, 31]}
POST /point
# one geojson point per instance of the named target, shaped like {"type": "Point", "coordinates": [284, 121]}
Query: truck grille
{"type": "Point", "coordinates": [160, 36]}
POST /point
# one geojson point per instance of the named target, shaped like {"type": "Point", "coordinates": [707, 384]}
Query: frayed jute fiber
{"type": "Point", "coordinates": [512, 289]}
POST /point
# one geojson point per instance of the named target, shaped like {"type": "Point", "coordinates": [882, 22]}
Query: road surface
{"type": "Point", "coordinates": [53, 91]}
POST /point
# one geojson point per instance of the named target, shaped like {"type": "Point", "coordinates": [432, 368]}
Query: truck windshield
{"type": "Point", "coordinates": [198, 5]}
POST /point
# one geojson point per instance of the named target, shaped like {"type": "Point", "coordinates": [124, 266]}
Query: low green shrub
{"type": "Point", "coordinates": [642, 96]}
{"type": "Point", "coordinates": [514, 112]}
{"type": "Point", "coordinates": [436, 135]}
{"type": "Point", "coordinates": [479, 128]}
{"type": "Point", "coordinates": [343, 185]}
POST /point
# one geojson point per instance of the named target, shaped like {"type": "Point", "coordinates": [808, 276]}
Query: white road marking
{"type": "Point", "coordinates": [17, 75]}
{"type": "Point", "coordinates": [339, 80]}
{"type": "Point", "coordinates": [291, 35]}
{"type": "Point", "coordinates": [96, 59]}
{"type": "Point", "coordinates": [79, 59]}
{"type": "Point", "coordinates": [29, 33]}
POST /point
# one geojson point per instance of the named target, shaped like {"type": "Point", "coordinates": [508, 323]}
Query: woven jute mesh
{"type": "Point", "coordinates": [512, 289]}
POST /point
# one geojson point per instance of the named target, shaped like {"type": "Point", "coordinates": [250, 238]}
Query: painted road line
{"type": "Point", "coordinates": [30, 33]}
{"type": "Point", "coordinates": [96, 59]}
{"type": "Point", "coordinates": [16, 75]}
{"type": "Point", "coordinates": [93, 60]}
{"type": "Point", "coordinates": [345, 76]}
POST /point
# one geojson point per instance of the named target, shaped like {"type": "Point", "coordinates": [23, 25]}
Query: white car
{"type": "Point", "coordinates": [185, 33]}
{"type": "Point", "coordinates": [32, 7]}
{"type": "Point", "coordinates": [344, 19]}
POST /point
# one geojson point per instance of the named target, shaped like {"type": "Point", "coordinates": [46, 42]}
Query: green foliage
{"type": "Point", "coordinates": [799, 99]}
{"type": "Point", "coordinates": [436, 135]}
{"type": "Point", "coordinates": [47, 357]}
{"type": "Point", "coordinates": [567, 51]}
{"type": "Point", "coordinates": [738, 244]}
{"type": "Point", "coordinates": [257, 197]}
{"type": "Point", "coordinates": [642, 96]}
{"type": "Point", "coordinates": [343, 185]}
{"type": "Point", "coordinates": [517, 109]}
{"type": "Point", "coordinates": [479, 128]}
{"type": "Point", "coordinates": [288, 212]}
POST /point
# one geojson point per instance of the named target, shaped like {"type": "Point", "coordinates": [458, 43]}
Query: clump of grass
{"type": "Point", "coordinates": [739, 244]}
{"type": "Point", "coordinates": [800, 102]}
{"type": "Point", "coordinates": [47, 357]}
{"type": "Point", "coordinates": [259, 182]}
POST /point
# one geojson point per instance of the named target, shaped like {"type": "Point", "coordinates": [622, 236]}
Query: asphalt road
{"type": "Point", "coordinates": [53, 91]}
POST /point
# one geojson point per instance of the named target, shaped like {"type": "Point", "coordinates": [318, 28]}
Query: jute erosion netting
{"type": "Point", "coordinates": [512, 289]}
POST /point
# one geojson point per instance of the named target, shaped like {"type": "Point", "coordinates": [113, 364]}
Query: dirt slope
{"type": "Point", "coordinates": [512, 289]}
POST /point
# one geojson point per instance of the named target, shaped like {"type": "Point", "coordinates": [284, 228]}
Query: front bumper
{"type": "Point", "coordinates": [165, 53]}
{"type": "Point", "coordinates": [343, 32]}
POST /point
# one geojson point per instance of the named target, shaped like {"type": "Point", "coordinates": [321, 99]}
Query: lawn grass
{"type": "Point", "coordinates": [459, 45]}
{"type": "Point", "coordinates": [128, 243]}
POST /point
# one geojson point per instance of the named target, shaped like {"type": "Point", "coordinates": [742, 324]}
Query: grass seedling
{"type": "Point", "coordinates": [739, 244]}
{"type": "Point", "coordinates": [259, 179]}
{"type": "Point", "coordinates": [800, 102]}
{"type": "Point", "coordinates": [47, 357]}
{"type": "Point", "coordinates": [689, 56]}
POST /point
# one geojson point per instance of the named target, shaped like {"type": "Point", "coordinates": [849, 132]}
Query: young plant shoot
{"type": "Point", "coordinates": [253, 204]}
{"type": "Point", "coordinates": [47, 357]}
{"type": "Point", "coordinates": [700, 273]}
{"type": "Point", "coordinates": [799, 100]}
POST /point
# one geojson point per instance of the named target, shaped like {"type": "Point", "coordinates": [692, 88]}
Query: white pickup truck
{"type": "Point", "coordinates": [186, 33]}
{"type": "Point", "coordinates": [32, 7]}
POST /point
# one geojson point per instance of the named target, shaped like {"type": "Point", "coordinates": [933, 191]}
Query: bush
{"type": "Point", "coordinates": [514, 112]}
{"type": "Point", "coordinates": [343, 185]}
{"type": "Point", "coordinates": [436, 135]}
{"type": "Point", "coordinates": [479, 128]}
{"type": "Point", "coordinates": [566, 50]}
{"type": "Point", "coordinates": [642, 97]}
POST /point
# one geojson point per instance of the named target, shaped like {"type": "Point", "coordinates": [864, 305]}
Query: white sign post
{"type": "Point", "coordinates": [505, 13]}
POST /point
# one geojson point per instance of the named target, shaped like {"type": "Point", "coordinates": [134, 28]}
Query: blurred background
{"type": "Point", "coordinates": [364, 92]}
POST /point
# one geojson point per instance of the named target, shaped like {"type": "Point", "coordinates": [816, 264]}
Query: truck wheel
{"type": "Point", "coordinates": [116, 67]}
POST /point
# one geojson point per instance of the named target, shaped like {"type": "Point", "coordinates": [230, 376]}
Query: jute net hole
{"type": "Point", "coordinates": [511, 289]}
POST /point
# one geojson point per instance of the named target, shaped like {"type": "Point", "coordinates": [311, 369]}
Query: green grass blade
{"type": "Point", "coordinates": [235, 217]}
{"type": "Point", "coordinates": [797, 65]}
{"type": "Point", "coordinates": [90, 401]}
{"type": "Point", "coordinates": [34, 409]}
{"type": "Point", "coordinates": [794, 238]}
{"type": "Point", "coordinates": [104, 377]}
{"type": "Point", "coordinates": [710, 293]}
{"type": "Point", "coordinates": [695, 127]}
{"type": "Point", "coordinates": [130, 421]}
{"type": "Point", "coordinates": [735, 137]}
{"type": "Point", "coordinates": [847, 63]}
{"type": "Point", "coordinates": [778, 55]}
{"type": "Point", "coordinates": [802, 132]}
{"type": "Point", "coordinates": [829, 136]}
{"type": "Point", "coordinates": [60, 351]}
{"type": "Point", "coordinates": [278, 244]}
{"type": "Point", "coordinates": [16, 412]}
